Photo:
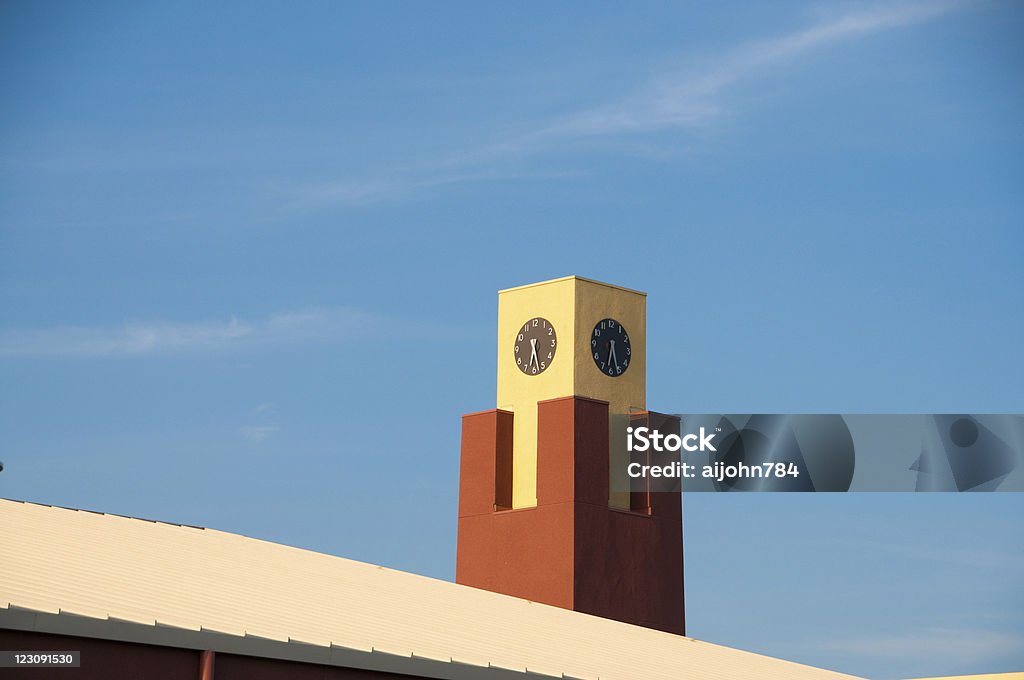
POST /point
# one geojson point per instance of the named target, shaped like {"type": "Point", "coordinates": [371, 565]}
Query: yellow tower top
{"type": "Point", "coordinates": [569, 337]}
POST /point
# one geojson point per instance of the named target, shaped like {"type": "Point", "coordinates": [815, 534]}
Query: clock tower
{"type": "Point", "coordinates": [546, 511]}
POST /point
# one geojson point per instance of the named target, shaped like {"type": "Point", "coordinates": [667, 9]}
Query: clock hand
{"type": "Point", "coordinates": [533, 353]}
{"type": "Point", "coordinates": [611, 354]}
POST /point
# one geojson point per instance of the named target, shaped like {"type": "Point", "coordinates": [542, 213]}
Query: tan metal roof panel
{"type": "Point", "coordinates": [211, 589]}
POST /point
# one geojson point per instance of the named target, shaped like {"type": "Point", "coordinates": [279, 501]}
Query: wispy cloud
{"type": "Point", "coordinates": [257, 433]}
{"type": "Point", "coordinates": [1010, 558]}
{"type": "Point", "coordinates": [163, 337]}
{"type": "Point", "coordinates": [687, 97]}
{"type": "Point", "coordinates": [935, 644]}
{"type": "Point", "coordinates": [260, 424]}
{"type": "Point", "coordinates": [263, 409]}
{"type": "Point", "coordinates": [681, 97]}
{"type": "Point", "coordinates": [405, 185]}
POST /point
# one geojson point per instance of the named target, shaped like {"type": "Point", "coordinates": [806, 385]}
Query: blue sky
{"type": "Point", "coordinates": [249, 258]}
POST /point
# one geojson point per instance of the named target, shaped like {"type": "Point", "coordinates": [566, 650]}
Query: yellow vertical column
{"type": "Point", "coordinates": [573, 306]}
{"type": "Point", "coordinates": [519, 392]}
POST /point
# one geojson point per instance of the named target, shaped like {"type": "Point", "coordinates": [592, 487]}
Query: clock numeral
{"type": "Point", "coordinates": [528, 356]}
{"type": "Point", "coordinates": [611, 355]}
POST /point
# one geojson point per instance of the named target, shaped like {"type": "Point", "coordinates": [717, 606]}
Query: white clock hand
{"type": "Point", "coordinates": [533, 353]}
{"type": "Point", "coordinates": [612, 359]}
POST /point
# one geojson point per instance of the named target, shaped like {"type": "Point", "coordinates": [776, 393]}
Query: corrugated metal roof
{"type": "Point", "coordinates": [103, 575]}
{"type": "Point", "coordinates": [984, 676]}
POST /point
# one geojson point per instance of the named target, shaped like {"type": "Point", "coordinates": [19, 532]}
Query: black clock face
{"type": "Point", "coordinates": [535, 346]}
{"type": "Point", "coordinates": [609, 345]}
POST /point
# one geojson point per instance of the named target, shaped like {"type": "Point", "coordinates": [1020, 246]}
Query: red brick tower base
{"type": "Point", "coordinates": [572, 550]}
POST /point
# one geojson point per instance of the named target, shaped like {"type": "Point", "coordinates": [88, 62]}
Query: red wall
{"type": "Point", "coordinates": [572, 550]}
